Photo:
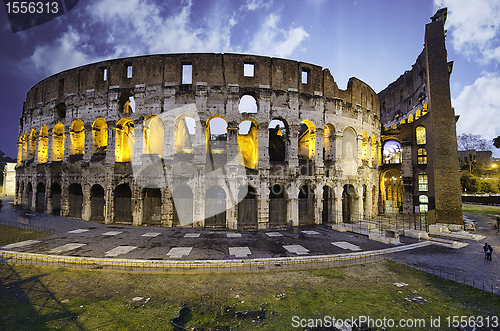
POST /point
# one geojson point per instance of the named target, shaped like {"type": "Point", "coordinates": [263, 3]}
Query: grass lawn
{"type": "Point", "coordinates": [35, 298]}
{"type": "Point", "coordinates": [11, 234]}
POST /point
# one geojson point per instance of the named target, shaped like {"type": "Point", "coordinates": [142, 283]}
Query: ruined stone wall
{"type": "Point", "coordinates": [57, 172]}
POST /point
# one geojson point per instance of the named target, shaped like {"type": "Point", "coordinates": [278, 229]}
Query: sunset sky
{"type": "Point", "coordinates": [375, 41]}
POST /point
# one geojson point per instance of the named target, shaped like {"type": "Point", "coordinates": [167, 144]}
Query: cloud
{"type": "Point", "coordinates": [475, 27]}
{"type": "Point", "coordinates": [479, 106]}
{"type": "Point", "coordinates": [273, 41]}
{"type": "Point", "coordinates": [257, 4]}
{"type": "Point", "coordinates": [68, 51]}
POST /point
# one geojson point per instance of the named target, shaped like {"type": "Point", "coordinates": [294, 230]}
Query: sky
{"type": "Point", "coordinates": [373, 40]}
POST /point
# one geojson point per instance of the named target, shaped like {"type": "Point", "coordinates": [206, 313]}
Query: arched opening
{"type": "Point", "coordinates": [350, 151]}
{"type": "Point", "coordinates": [183, 206]}
{"type": "Point", "coordinates": [29, 199]}
{"type": "Point", "coordinates": [421, 135]}
{"type": "Point", "coordinates": [277, 140]}
{"type": "Point", "coordinates": [247, 208]}
{"type": "Point", "coordinates": [31, 144]}
{"type": "Point", "coordinates": [77, 138]}
{"type": "Point", "coordinates": [97, 203]}
{"type": "Point", "coordinates": [392, 152]}
{"type": "Point", "coordinates": [126, 103]}
{"type": "Point", "coordinates": [349, 204]}
{"type": "Point", "coordinates": [247, 104]}
{"type": "Point", "coordinates": [75, 200]}
{"type": "Point", "coordinates": [374, 149]}
{"type": "Point", "coordinates": [306, 205]}
{"type": "Point", "coordinates": [123, 204]}
{"type": "Point", "coordinates": [153, 136]}
{"type": "Point", "coordinates": [423, 206]}
{"type": "Point", "coordinates": [215, 207]}
{"type": "Point", "coordinates": [277, 207]}
{"type": "Point", "coordinates": [328, 213]}
{"type": "Point", "coordinates": [55, 195]}
{"type": "Point", "coordinates": [43, 145]}
{"type": "Point", "coordinates": [365, 148]}
{"type": "Point", "coordinates": [151, 213]}
{"type": "Point", "coordinates": [216, 142]}
{"type": "Point", "coordinates": [99, 135]}
{"type": "Point", "coordinates": [329, 143]}
{"type": "Point", "coordinates": [60, 110]}
{"type": "Point", "coordinates": [40, 198]}
{"type": "Point", "coordinates": [391, 189]}
{"type": "Point", "coordinates": [307, 140]}
{"type": "Point", "coordinates": [58, 142]}
{"type": "Point", "coordinates": [25, 146]}
{"type": "Point", "coordinates": [184, 136]}
{"type": "Point", "coordinates": [124, 146]}
{"type": "Point", "coordinates": [19, 150]}
{"type": "Point", "coordinates": [248, 144]}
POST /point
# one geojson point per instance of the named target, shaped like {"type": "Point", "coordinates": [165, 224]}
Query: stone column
{"type": "Point", "coordinates": [67, 143]}
{"type": "Point", "coordinates": [292, 145]}
{"type": "Point", "coordinates": [111, 143]}
{"type": "Point", "coordinates": [89, 144]}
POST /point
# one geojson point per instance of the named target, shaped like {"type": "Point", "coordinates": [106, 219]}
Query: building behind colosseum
{"type": "Point", "coordinates": [238, 141]}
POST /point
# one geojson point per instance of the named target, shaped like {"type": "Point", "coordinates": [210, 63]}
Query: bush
{"type": "Point", "coordinates": [469, 182]}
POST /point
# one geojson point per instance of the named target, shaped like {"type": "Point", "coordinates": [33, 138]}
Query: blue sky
{"type": "Point", "coordinates": [375, 41]}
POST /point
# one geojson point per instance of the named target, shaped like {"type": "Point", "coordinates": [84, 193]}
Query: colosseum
{"type": "Point", "coordinates": [239, 141]}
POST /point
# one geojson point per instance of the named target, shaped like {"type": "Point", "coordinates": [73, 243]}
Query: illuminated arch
{"type": "Point", "coordinates": [77, 138]}
{"type": "Point", "coordinates": [32, 144]}
{"type": "Point", "coordinates": [58, 142]}
{"type": "Point", "coordinates": [410, 118]}
{"type": "Point", "coordinates": [307, 140]}
{"type": "Point", "coordinates": [99, 135]}
{"type": "Point", "coordinates": [365, 147]}
{"type": "Point", "coordinates": [248, 146]}
{"type": "Point", "coordinates": [184, 134]}
{"type": "Point", "coordinates": [153, 135]}
{"type": "Point", "coordinates": [124, 146]}
{"type": "Point", "coordinates": [43, 145]}
{"type": "Point", "coordinates": [391, 189]}
{"type": "Point", "coordinates": [25, 146]}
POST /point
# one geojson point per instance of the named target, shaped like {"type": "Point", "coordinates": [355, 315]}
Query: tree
{"type": "Point", "coordinates": [471, 143]}
{"type": "Point", "coordinates": [496, 142]}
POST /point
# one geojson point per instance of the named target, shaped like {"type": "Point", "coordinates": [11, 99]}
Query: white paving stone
{"type": "Point", "coordinates": [65, 248]}
{"type": "Point", "coordinates": [310, 232]}
{"type": "Point", "coordinates": [111, 233]}
{"type": "Point", "coordinates": [120, 250]}
{"type": "Point", "coordinates": [274, 234]}
{"type": "Point", "coordinates": [239, 251]}
{"type": "Point", "coordinates": [178, 252]}
{"type": "Point", "coordinates": [233, 235]}
{"type": "Point", "coordinates": [346, 245]}
{"type": "Point", "coordinates": [297, 249]}
{"type": "Point", "coordinates": [79, 231]}
{"type": "Point", "coordinates": [21, 244]}
{"type": "Point", "coordinates": [151, 234]}
{"type": "Point", "coordinates": [192, 235]}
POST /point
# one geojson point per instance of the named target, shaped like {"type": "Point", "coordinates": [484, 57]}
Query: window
{"type": "Point", "coordinates": [422, 156]}
{"type": "Point", "coordinates": [305, 76]}
{"type": "Point", "coordinates": [423, 203]}
{"type": "Point", "coordinates": [247, 104]}
{"type": "Point", "coordinates": [187, 74]}
{"type": "Point", "coordinates": [421, 135]}
{"type": "Point", "coordinates": [105, 74]}
{"type": "Point", "coordinates": [392, 152]}
{"type": "Point", "coordinates": [423, 185]}
{"type": "Point", "coordinates": [248, 70]}
{"type": "Point", "coordinates": [129, 71]}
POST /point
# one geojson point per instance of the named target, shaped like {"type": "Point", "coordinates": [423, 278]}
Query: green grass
{"type": "Point", "coordinates": [11, 234]}
{"type": "Point", "coordinates": [35, 298]}
{"type": "Point", "coordinates": [482, 210]}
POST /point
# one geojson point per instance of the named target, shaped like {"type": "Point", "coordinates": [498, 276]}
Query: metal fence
{"type": "Point", "coordinates": [28, 226]}
{"type": "Point", "coordinates": [381, 223]}
{"type": "Point", "coordinates": [459, 278]}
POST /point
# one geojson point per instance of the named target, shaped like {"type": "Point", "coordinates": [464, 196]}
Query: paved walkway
{"type": "Point", "coordinates": [77, 238]}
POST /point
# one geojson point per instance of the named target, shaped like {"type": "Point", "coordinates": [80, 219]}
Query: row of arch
{"type": "Point", "coordinates": [36, 144]}
{"type": "Point", "coordinates": [154, 205]}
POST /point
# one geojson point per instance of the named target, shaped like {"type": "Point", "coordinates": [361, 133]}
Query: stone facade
{"type": "Point", "coordinates": [221, 140]}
